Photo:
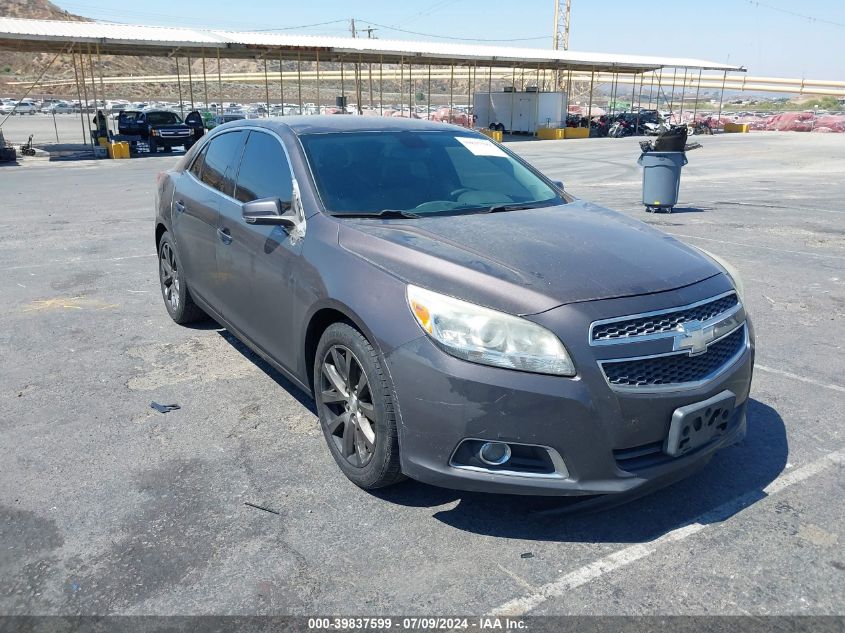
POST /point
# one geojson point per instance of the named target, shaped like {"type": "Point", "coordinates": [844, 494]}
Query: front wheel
{"type": "Point", "coordinates": [355, 405]}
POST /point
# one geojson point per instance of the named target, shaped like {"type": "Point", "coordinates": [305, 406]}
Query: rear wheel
{"type": "Point", "coordinates": [355, 405]}
{"type": "Point", "coordinates": [177, 298]}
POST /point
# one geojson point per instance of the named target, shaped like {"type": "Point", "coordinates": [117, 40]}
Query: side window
{"type": "Point", "coordinates": [223, 152]}
{"type": "Point", "coordinates": [264, 171]}
{"type": "Point", "coordinates": [196, 166]}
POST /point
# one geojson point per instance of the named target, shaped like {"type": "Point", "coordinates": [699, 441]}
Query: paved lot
{"type": "Point", "coordinates": [109, 507]}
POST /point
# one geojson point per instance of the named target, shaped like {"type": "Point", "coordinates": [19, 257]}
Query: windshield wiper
{"type": "Point", "coordinates": [384, 213]}
{"type": "Point", "coordinates": [498, 208]}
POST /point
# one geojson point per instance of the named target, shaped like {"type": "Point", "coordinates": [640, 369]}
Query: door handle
{"type": "Point", "coordinates": [179, 206]}
{"type": "Point", "coordinates": [225, 236]}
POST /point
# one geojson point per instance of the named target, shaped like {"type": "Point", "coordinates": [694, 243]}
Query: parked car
{"type": "Point", "coordinates": [457, 316]}
{"type": "Point", "coordinates": [158, 128]}
{"type": "Point", "coordinates": [213, 121]}
{"type": "Point", "coordinates": [22, 107]}
{"type": "Point", "coordinates": [59, 107]}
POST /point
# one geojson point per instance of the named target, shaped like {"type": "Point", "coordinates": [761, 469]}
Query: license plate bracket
{"type": "Point", "coordinates": [695, 425]}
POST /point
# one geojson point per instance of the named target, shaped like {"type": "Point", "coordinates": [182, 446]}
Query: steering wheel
{"type": "Point", "coordinates": [454, 194]}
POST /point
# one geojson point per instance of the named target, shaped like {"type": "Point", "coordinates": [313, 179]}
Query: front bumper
{"type": "Point", "coordinates": [607, 439]}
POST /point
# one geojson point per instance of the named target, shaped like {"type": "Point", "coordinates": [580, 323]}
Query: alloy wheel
{"type": "Point", "coordinates": [169, 274]}
{"type": "Point", "coordinates": [347, 399]}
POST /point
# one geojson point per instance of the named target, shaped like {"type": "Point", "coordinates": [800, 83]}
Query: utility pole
{"type": "Point", "coordinates": [369, 31]}
{"type": "Point", "coordinates": [560, 40]}
{"type": "Point", "coordinates": [357, 67]}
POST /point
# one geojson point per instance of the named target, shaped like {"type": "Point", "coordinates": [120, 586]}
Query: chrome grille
{"type": "Point", "coordinates": [660, 322]}
{"type": "Point", "coordinates": [677, 369]}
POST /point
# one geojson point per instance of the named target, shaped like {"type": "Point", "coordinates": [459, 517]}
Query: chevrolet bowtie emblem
{"type": "Point", "coordinates": [693, 336]}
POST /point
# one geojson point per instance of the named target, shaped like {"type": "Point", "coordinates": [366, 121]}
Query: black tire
{"type": "Point", "coordinates": [174, 289]}
{"type": "Point", "coordinates": [368, 410]}
{"type": "Point", "coordinates": [168, 149]}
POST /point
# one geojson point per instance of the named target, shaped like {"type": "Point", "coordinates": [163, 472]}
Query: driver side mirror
{"type": "Point", "coordinates": [269, 211]}
{"type": "Point", "coordinates": [558, 184]}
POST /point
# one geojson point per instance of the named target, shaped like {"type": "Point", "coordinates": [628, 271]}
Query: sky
{"type": "Point", "coordinates": [778, 38]}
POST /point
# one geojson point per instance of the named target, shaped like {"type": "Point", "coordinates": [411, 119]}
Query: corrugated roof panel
{"type": "Point", "coordinates": [130, 39]}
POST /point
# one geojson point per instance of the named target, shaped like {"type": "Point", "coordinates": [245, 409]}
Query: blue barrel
{"type": "Point", "coordinates": [661, 179]}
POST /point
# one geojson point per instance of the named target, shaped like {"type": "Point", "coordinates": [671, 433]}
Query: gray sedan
{"type": "Point", "coordinates": [457, 316]}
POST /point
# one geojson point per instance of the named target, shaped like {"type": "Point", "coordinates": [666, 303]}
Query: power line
{"type": "Point", "coordinates": [809, 18]}
{"type": "Point", "coordinates": [440, 4]}
{"type": "Point", "coordinates": [301, 26]}
{"type": "Point", "coordinates": [462, 39]}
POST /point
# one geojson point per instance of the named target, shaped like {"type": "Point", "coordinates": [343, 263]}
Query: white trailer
{"type": "Point", "coordinates": [520, 112]}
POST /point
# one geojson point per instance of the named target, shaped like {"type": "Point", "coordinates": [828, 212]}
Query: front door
{"type": "Point", "coordinates": [258, 264]}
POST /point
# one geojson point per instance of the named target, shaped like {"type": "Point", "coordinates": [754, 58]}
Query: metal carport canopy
{"type": "Point", "coordinates": [124, 39]}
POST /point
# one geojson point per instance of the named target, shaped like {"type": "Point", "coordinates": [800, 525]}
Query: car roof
{"type": "Point", "coordinates": [328, 123]}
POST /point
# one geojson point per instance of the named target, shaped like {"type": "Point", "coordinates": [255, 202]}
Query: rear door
{"type": "Point", "coordinates": [201, 189]}
{"type": "Point", "coordinates": [258, 264]}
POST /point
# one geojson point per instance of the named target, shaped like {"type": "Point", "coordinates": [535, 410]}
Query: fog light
{"type": "Point", "coordinates": [494, 453]}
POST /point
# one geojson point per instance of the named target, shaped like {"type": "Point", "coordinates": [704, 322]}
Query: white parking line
{"type": "Point", "coordinates": [633, 553]}
{"type": "Point", "coordinates": [788, 374]}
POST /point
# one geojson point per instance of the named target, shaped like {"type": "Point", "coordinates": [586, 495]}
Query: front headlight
{"type": "Point", "coordinates": [731, 272]}
{"type": "Point", "coordinates": [488, 337]}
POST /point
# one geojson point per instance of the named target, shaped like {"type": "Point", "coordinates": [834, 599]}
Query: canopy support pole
{"type": "Point", "coordinates": [79, 97]}
{"type": "Point", "coordinates": [381, 84]}
{"type": "Point", "coordinates": [299, 79]}
{"type": "Point", "coordinates": [179, 87]}
{"type": "Point", "coordinates": [204, 82]}
{"type": "Point", "coordinates": [358, 90]}
{"type": "Point", "coordinates": [370, 80]}
{"type": "Point", "coordinates": [451, 89]}
{"type": "Point", "coordinates": [672, 98]}
{"type": "Point", "coordinates": [651, 91]}
{"type": "Point", "coordinates": [470, 84]}
{"type": "Point", "coordinates": [220, 83]}
{"type": "Point", "coordinates": [697, 92]}
{"type": "Point", "coordinates": [281, 84]}
{"type": "Point", "coordinates": [83, 105]}
{"type": "Point", "coordinates": [513, 94]}
{"type": "Point", "coordinates": [490, 94]}
{"type": "Point", "coordinates": [590, 102]}
{"type": "Point", "coordinates": [318, 82]}
{"type": "Point", "coordinates": [266, 87]}
{"type": "Point", "coordinates": [93, 88]}
{"type": "Point", "coordinates": [614, 91]}
{"type": "Point", "coordinates": [722, 94]}
{"type": "Point", "coordinates": [191, 83]}
{"type": "Point", "coordinates": [102, 87]}
{"type": "Point", "coordinates": [428, 94]}
{"type": "Point", "coordinates": [683, 95]}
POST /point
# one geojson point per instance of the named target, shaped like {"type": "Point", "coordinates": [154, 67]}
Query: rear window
{"type": "Point", "coordinates": [163, 118]}
{"type": "Point", "coordinates": [223, 152]}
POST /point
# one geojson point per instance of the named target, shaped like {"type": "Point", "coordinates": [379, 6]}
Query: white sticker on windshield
{"type": "Point", "coordinates": [480, 146]}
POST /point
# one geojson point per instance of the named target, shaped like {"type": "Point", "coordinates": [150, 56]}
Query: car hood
{"type": "Point", "coordinates": [528, 261]}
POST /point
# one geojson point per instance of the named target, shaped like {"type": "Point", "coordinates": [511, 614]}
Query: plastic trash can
{"type": "Point", "coordinates": [661, 179]}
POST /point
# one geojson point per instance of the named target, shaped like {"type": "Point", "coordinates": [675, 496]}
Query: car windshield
{"type": "Point", "coordinates": [419, 173]}
{"type": "Point", "coordinates": [163, 118]}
